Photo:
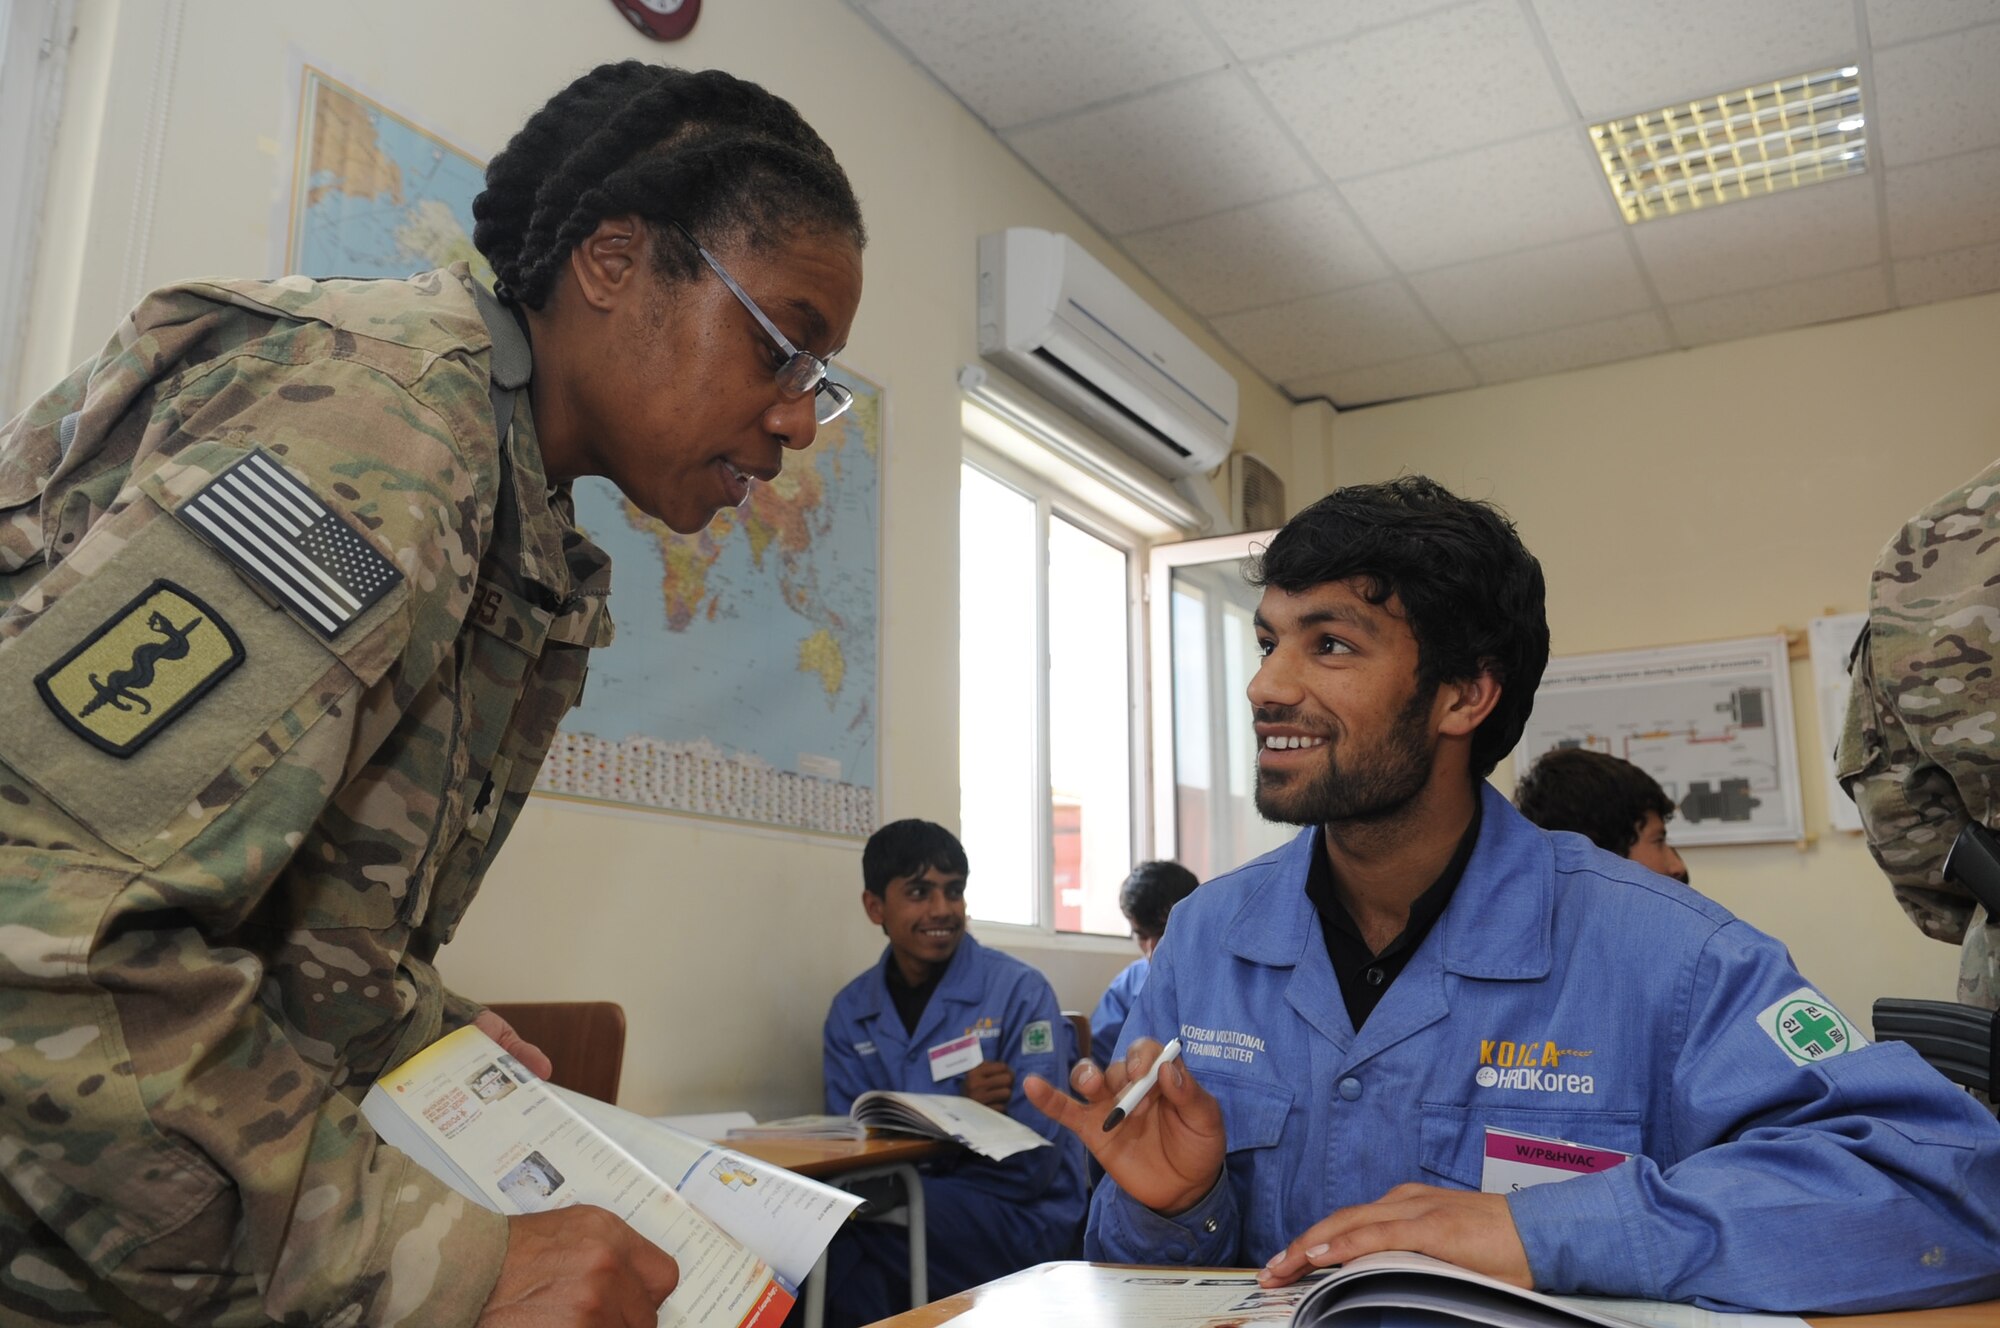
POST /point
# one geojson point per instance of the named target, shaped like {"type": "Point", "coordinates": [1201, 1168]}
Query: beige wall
{"type": "Point", "coordinates": [1731, 491]}
{"type": "Point", "coordinates": [724, 945]}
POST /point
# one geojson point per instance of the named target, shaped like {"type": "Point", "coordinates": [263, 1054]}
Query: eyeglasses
{"type": "Point", "coordinates": [802, 371]}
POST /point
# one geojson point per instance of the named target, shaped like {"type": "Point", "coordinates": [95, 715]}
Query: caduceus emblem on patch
{"type": "Point", "coordinates": [125, 682]}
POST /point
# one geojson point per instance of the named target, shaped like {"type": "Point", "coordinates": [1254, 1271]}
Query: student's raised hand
{"type": "Point", "coordinates": [578, 1267]}
{"type": "Point", "coordinates": [1168, 1152]}
{"type": "Point", "coordinates": [990, 1084]}
{"type": "Point", "coordinates": [1475, 1231]}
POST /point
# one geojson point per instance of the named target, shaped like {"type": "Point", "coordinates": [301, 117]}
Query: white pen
{"type": "Point", "coordinates": [1144, 1084]}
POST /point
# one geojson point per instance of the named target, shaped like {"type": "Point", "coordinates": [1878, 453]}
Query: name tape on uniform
{"type": "Point", "coordinates": [955, 1057]}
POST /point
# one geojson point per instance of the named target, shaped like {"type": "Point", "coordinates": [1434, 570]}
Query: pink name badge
{"type": "Point", "coordinates": [1516, 1161]}
{"type": "Point", "coordinates": [956, 1057]}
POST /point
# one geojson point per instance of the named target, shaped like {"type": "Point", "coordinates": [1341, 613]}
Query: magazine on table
{"type": "Point", "coordinates": [1388, 1290]}
{"type": "Point", "coordinates": [946, 1116]}
{"type": "Point", "coordinates": [744, 1233]}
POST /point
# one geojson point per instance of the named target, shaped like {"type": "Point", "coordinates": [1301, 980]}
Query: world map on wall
{"type": "Point", "coordinates": [742, 681]}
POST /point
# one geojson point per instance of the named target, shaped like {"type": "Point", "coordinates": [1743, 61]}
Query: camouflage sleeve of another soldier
{"type": "Point", "coordinates": [235, 552]}
{"type": "Point", "coordinates": [1920, 749]}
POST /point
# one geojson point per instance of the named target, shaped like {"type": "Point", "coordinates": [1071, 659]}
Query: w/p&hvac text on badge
{"type": "Point", "coordinates": [125, 682]}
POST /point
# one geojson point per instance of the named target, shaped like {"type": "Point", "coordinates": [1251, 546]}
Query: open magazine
{"type": "Point", "coordinates": [1389, 1290]}
{"type": "Point", "coordinates": [946, 1116]}
{"type": "Point", "coordinates": [744, 1233]}
{"type": "Point", "coordinates": [1397, 1287]}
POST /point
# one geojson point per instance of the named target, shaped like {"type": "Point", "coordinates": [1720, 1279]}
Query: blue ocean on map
{"type": "Point", "coordinates": [743, 660]}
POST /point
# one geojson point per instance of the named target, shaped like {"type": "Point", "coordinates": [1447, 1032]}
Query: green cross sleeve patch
{"type": "Point", "coordinates": [1807, 1028]}
{"type": "Point", "coordinates": [141, 670]}
{"type": "Point", "coordinates": [1038, 1039]}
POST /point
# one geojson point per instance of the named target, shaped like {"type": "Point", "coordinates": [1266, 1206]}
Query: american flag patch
{"type": "Point", "coordinates": [290, 543]}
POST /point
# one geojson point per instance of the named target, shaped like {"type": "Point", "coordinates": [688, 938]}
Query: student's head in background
{"type": "Point", "coordinates": [1613, 803]}
{"type": "Point", "coordinates": [1149, 894]}
{"type": "Point", "coordinates": [913, 887]}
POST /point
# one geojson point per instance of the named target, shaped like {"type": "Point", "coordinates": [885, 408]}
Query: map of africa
{"type": "Point", "coordinates": [741, 684]}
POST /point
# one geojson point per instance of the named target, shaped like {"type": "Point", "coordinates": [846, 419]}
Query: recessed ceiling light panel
{"type": "Point", "coordinates": [1735, 145]}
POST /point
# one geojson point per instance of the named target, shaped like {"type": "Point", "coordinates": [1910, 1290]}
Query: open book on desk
{"type": "Point", "coordinates": [744, 1233]}
{"type": "Point", "coordinates": [944, 1116]}
{"type": "Point", "coordinates": [1388, 1290]}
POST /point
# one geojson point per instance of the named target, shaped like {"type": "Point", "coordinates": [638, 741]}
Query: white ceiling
{"type": "Point", "coordinates": [1373, 199]}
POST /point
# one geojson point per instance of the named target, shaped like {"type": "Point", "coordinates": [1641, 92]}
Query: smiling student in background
{"type": "Point", "coordinates": [941, 1013]}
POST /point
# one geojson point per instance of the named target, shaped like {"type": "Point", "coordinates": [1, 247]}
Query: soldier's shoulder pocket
{"type": "Point", "coordinates": [150, 693]}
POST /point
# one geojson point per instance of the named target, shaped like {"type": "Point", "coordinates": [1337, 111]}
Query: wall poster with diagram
{"type": "Point", "coordinates": [1711, 722]}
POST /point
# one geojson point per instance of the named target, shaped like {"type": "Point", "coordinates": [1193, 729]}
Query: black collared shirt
{"type": "Point", "coordinates": [1365, 976]}
{"type": "Point", "coordinates": [910, 1001]}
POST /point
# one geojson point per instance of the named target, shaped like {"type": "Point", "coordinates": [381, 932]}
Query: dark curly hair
{"type": "Point", "coordinates": [720, 155]}
{"type": "Point", "coordinates": [1594, 794]}
{"type": "Point", "coordinates": [1151, 892]}
{"type": "Point", "coordinates": [910, 848]}
{"type": "Point", "coordinates": [1472, 594]}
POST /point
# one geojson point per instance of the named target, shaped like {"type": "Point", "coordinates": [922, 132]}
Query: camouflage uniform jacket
{"type": "Point", "coordinates": [1920, 752]}
{"type": "Point", "coordinates": [234, 828]}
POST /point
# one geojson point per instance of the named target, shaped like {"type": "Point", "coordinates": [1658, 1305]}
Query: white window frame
{"type": "Point", "coordinates": [1051, 501]}
{"type": "Point", "coordinates": [1161, 560]}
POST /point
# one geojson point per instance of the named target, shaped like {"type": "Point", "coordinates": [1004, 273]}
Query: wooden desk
{"type": "Point", "coordinates": [1060, 1292]}
{"type": "Point", "coordinates": [830, 1159]}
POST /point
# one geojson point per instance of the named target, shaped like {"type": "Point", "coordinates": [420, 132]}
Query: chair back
{"type": "Point", "coordinates": [1961, 1041]}
{"type": "Point", "coordinates": [1081, 1023]}
{"type": "Point", "coordinates": [584, 1039]}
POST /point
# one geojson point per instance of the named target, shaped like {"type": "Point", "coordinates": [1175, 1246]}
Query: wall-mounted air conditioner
{"type": "Point", "coordinates": [1060, 321]}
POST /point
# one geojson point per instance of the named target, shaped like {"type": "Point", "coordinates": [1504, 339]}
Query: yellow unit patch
{"type": "Point", "coordinates": [132, 677]}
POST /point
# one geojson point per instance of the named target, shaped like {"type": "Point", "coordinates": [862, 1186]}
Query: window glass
{"type": "Point", "coordinates": [1090, 729]}
{"type": "Point", "coordinates": [997, 740]}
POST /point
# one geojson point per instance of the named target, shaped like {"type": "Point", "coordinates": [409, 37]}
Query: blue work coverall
{"type": "Point", "coordinates": [1107, 1021]}
{"type": "Point", "coordinates": [1779, 1161]}
{"type": "Point", "coordinates": [984, 1219]}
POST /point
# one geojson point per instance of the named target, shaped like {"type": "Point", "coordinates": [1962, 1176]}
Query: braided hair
{"type": "Point", "coordinates": [714, 152]}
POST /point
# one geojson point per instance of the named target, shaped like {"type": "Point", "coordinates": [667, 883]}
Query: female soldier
{"type": "Point", "coordinates": [291, 601]}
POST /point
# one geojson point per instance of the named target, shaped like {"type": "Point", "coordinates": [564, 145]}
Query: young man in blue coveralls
{"type": "Point", "coordinates": [1421, 967]}
{"type": "Point", "coordinates": [1146, 897]}
{"type": "Point", "coordinates": [935, 986]}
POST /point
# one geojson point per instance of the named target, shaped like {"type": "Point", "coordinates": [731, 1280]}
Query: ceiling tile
{"type": "Point", "coordinates": [1444, 372]}
{"type": "Point", "coordinates": [1893, 21]}
{"type": "Point", "coordinates": [1793, 304]}
{"type": "Point", "coordinates": [1436, 84]}
{"type": "Point", "coordinates": [1948, 276]}
{"type": "Point", "coordinates": [1490, 201]}
{"type": "Point", "coordinates": [1013, 61]}
{"type": "Point", "coordinates": [1762, 241]}
{"type": "Point", "coordinates": [1574, 282]}
{"type": "Point", "coordinates": [1941, 205]}
{"type": "Point", "coordinates": [1624, 57]}
{"type": "Point", "coordinates": [1936, 97]}
{"type": "Point", "coordinates": [1302, 245]}
{"type": "Point", "coordinates": [1601, 342]}
{"type": "Point", "coordinates": [1184, 152]}
{"type": "Point", "coordinates": [1253, 29]}
{"type": "Point", "coordinates": [1327, 333]}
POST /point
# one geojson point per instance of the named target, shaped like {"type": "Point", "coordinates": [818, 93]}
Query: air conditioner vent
{"type": "Point", "coordinates": [1256, 494]}
{"type": "Point", "coordinates": [1068, 327]}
